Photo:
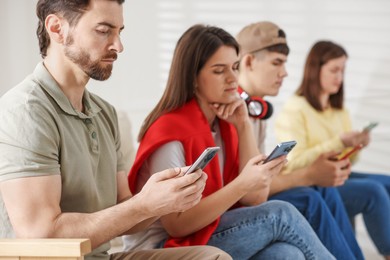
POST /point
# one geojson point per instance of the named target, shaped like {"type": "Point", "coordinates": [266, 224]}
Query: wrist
{"type": "Point", "coordinates": [239, 187]}
{"type": "Point", "coordinates": [343, 141]}
{"type": "Point", "coordinates": [244, 126]}
{"type": "Point", "coordinates": [307, 176]}
{"type": "Point", "coordinates": [139, 207]}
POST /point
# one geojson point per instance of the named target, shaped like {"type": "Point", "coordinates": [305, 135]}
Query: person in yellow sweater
{"type": "Point", "coordinates": [316, 118]}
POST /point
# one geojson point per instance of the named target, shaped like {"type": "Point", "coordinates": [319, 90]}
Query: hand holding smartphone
{"type": "Point", "coordinates": [348, 152]}
{"type": "Point", "coordinates": [203, 159]}
{"type": "Point", "coordinates": [281, 149]}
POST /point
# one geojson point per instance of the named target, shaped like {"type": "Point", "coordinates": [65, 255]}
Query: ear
{"type": "Point", "coordinates": [56, 28]}
{"type": "Point", "coordinates": [247, 61]}
{"type": "Point", "coordinates": [195, 85]}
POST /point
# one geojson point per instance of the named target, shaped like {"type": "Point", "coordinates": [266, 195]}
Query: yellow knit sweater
{"type": "Point", "coordinates": [315, 131]}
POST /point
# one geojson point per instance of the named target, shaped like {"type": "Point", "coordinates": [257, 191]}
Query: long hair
{"type": "Point", "coordinates": [71, 10]}
{"type": "Point", "coordinates": [193, 50]}
{"type": "Point", "coordinates": [310, 88]}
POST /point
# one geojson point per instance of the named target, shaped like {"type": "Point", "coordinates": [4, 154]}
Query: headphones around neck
{"type": "Point", "coordinates": [257, 107]}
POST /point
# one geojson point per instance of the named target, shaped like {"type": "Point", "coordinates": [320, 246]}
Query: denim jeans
{"type": "Point", "coordinates": [280, 251]}
{"type": "Point", "coordinates": [325, 212]}
{"type": "Point", "coordinates": [369, 194]}
{"type": "Point", "coordinates": [245, 232]}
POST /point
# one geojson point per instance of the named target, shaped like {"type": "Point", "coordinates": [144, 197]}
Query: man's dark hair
{"type": "Point", "coordinates": [71, 10]}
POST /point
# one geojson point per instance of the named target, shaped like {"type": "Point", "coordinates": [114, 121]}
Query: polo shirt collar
{"type": "Point", "coordinates": [47, 82]}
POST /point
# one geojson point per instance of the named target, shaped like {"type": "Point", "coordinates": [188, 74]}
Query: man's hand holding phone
{"type": "Point", "coordinates": [326, 171]}
{"type": "Point", "coordinates": [175, 194]}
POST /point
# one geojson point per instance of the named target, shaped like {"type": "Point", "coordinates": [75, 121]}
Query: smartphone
{"type": "Point", "coordinates": [203, 159]}
{"type": "Point", "coordinates": [281, 149]}
{"type": "Point", "coordinates": [348, 152]}
{"type": "Point", "coordinates": [370, 126]}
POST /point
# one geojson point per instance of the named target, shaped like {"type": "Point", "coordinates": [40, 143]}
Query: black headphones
{"type": "Point", "coordinates": [257, 107]}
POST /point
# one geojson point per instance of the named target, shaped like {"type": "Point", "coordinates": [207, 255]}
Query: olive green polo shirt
{"type": "Point", "coordinates": [42, 134]}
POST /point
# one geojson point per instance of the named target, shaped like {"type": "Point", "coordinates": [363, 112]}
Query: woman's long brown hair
{"type": "Point", "coordinates": [310, 88]}
{"type": "Point", "coordinates": [192, 51]}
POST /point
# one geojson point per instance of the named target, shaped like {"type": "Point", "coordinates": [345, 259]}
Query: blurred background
{"type": "Point", "coordinates": [154, 26]}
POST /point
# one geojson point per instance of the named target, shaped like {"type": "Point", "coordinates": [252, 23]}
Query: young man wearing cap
{"type": "Point", "coordinates": [264, 52]}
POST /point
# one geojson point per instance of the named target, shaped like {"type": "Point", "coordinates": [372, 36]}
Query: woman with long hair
{"type": "Point", "coordinates": [316, 118]}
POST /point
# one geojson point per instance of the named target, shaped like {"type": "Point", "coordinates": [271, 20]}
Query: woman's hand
{"type": "Point", "coordinates": [256, 175]}
{"type": "Point", "coordinates": [235, 112]}
{"type": "Point", "coordinates": [355, 138]}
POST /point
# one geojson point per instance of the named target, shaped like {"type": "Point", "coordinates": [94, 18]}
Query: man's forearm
{"type": "Point", "coordinates": [141, 226]}
{"type": "Point", "coordinates": [104, 225]}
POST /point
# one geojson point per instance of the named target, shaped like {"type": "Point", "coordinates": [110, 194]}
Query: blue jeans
{"type": "Point", "coordinates": [280, 251]}
{"type": "Point", "coordinates": [245, 232]}
{"type": "Point", "coordinates": [324, 210]}
{"type": "Point", "coordinates": [369, 194]}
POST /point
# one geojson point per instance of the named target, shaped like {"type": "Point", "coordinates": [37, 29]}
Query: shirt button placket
{"type": "Point", "coordinates": [93, 135]}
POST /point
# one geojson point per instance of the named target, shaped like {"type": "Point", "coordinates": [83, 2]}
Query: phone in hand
{"type": "Point", "coordinates": [348, 152]}
{"type": "Point", "coordinates": [203, 159]}
{"type": "Point", "coordinates": [370, 126]}
{"type": "Point", "coordinates": [282, 148]}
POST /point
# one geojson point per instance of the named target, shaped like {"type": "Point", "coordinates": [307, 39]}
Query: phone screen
{"type": "Point", "coordinates": [203, 159]}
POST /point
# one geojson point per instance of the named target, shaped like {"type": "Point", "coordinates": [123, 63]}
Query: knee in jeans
{"type": "Point", "coordinates": [313, 198]}
{"type": "Point", "coordinates": [282, 206]}
{"type": "Point", "coordinates": [377, 192]}
{"type": "Point", "coordinates": [281, 251]}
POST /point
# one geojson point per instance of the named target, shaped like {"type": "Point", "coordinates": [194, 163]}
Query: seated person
{"type": "Point", "coordinates": [61, 170]}
{"type": "Point", "coordinates": [316, 118]}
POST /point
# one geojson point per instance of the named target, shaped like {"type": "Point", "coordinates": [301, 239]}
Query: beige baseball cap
{"type": "Point", "coordinates": [258, 36]}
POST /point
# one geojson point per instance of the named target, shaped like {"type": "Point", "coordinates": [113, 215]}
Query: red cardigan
{"type": "Point", "coordinates": [189, 126]}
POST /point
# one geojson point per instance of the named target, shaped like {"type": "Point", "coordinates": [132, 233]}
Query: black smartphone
{"type": "Point", "coordinates": [203, 159]}
{"type": "Point", "coordinates": [282, 148]}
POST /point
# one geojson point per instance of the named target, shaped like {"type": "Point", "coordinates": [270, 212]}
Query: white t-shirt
{"type": "Point", "coordinates": [259, 127]}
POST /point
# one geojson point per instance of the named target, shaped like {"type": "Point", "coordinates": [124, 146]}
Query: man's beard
{"type": "Point", "coordinates": [92, 68]}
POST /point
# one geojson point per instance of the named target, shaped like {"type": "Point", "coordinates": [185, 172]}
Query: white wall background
{"type": "Point", "coordinates": [153, 26]}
